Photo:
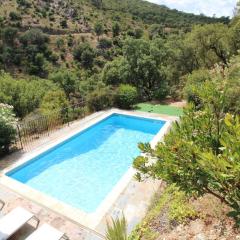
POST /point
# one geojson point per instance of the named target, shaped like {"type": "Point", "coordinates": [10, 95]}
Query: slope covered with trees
{"type": "Point", "coordinates": [103, 52]}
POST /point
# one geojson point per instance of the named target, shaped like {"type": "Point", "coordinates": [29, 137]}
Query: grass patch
{"type": "Point", "coordinates": [159, 108]}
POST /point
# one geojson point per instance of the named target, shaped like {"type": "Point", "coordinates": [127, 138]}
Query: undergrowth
{"type": "Point", "coordinates": [171, 207]}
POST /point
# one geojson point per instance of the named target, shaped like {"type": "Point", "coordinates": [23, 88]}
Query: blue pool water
{"type": "Point", "coordinates": [82, 170]}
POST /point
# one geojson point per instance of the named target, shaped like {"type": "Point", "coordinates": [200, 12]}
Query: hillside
{"type": "Point", "coordinates": [70, 22]}
{"type": "Point", "coordinates": [74, 16]}
{"type": "Point", "coordinates": [80, 46]}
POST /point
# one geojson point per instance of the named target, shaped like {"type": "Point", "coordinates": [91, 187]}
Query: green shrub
{"type": "Point", "coordinates": [116, 29]}
{"type": "Point", "coordinates": [7, 127]}
{"type": "Point", "coordinates": [138, 33]}
{"type": "Point", "coordinates": [85, 54]}
{"type": "Point", "coordinates": [126, 96]}
{"type": "Point", "coordinates": [98, 28]}
{"type": "Point", "coordinates": [14, 16]}
{"type": "Point", "coordinates": [54, 103]}
{"type": "Point", "coordinates": [104, 43]}
{"type": "Point", "coordinates": [63, 23]}
{"type": "Point", "coordinates": [100, 99]}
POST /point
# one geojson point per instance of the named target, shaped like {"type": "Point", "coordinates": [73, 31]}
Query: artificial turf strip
{"type": "Point", "coordinates": [159, 108]}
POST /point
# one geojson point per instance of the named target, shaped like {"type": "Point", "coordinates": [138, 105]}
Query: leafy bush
{"type": "Point", "coordinates": [14, 16]}
{"type": "Point", "coordinates": [98, 28]}
{"type": "Point", "coordinates": [104, 43]}
{"type": "Point", "coordinates": [60, 43]}
{"type": "Point", "coordinates": [138, 33]}
{"type": "Point", "coordinates": [63, 23]}
{"type": "Point", "coordinates": [116, 29]}
{"type": "Point", "coordinates": [54, 103]}
{"type": "Point", "coordinates": [24, 3]}
{"type": "Point", "coordinates": [199, 154]}
{"type": "Point", "coordinates": [24, 95]}
{"type": "Point", "coordinates": [35, 51]}
{"type": "Point", "coordinates": [100, 99]}
{"type": "Point", "coordinates": [194, 82]}
{"type": "Point", "coordinates": [85, 54]}
{"type": "Point", "coordinates": [66, 80]}
{"type": "Point", "coordinates": [7, 127]}
{"type": "Point", "coordinates": [126, 96]}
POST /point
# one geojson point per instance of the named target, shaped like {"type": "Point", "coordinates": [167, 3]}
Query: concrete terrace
{"type": "Point", "coordinates": [133, 199]}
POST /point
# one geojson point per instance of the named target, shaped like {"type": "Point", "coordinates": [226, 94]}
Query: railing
{"type": "Point", "coordinates": [31, 130]}
{"type": "Point", "coordinates": [28, 131]}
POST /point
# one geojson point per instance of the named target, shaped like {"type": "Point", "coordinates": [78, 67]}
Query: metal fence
{"type": "Point", "coordinates": [31, 130]}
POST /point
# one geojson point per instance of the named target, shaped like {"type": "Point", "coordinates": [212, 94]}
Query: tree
{"type": "Point", "coordinates": [7, 127]}
{"type": "Point", "coordinates": [38, 66]}
{"type": "Point", "coordinates": [85, 54]}
{"type": "Point", "coordinates": [35, 47]}
{"type": "Point", "coordinates": [24, 95]}
{"type": "Point", "coordinates": [104, 43]}
{"type": "Point", "coordinates": [140, 66]}
{"type": "Point", "coordinates": [111, 74]}
{"type": "Point", "coordinates": [210, 44]}
{"type": "Point", "coordinates": [34, 37]}
{"type": "Point", "coordinates": [116, 29]}
{"type": "Point", "coordinates": [142, 69]}
{"type": "Point", "coordinates": [97, 3]}
{"type": "Point", "coordinates": [156, 30]}
{"type": "Point", "coordinates": [98, 28]}
{"type": "Point", "coordinates": [9, 35]}
{"type": "Point", "coordinates": [63, 23]}
{"type": "Point", "coordinates": [66, 80]}
{"type": "Point", "coordinates": [54, 104]}
{"type": "Point", "coordinates": [138, 33]}
{"type": "Point", "coordinates": [14, 16]}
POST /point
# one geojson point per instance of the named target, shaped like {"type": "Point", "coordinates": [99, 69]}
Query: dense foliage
{"type": "Point", "coordinates": [201, 153]}
{"type": "Point", "coordinates": [152, 13]}
{"type": "Point", "coordinates": [149, 54]}
{"type": "Point", "coordinates": [126, 96]}
{"type": "Point", "coordinates": [7, 127]}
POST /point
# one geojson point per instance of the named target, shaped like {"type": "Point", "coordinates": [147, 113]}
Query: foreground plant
{"type": "Point", "coordinates": [199, 157]}
{"type": "Point", "coordinates": [117, 230]}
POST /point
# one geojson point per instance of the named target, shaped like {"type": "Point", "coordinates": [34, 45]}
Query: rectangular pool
{"type": "Point", "coordinates": [83, 169]}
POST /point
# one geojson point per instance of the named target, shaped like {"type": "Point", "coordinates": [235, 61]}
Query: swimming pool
{"type": "Point", "coordinates": [82, 170]}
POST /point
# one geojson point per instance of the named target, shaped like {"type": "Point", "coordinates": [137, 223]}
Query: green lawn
{"type": "Point", "coordinates": [159, 108]}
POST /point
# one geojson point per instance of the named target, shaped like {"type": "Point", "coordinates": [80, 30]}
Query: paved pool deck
{"type": "Point", "coordinates": [133, 200]}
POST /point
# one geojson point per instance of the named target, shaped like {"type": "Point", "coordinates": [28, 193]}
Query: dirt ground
{"type": "Point", "coordinates": [212, 223]}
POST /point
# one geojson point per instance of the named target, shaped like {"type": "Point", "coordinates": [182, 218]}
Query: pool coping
{"type": "Point", "coordinates": [86, 220]}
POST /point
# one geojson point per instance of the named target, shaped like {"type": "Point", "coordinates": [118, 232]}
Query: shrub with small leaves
{"type": "Point", "coordinates": [126, 96]}
{"type": "Point", "coordinates": [7, 127]}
